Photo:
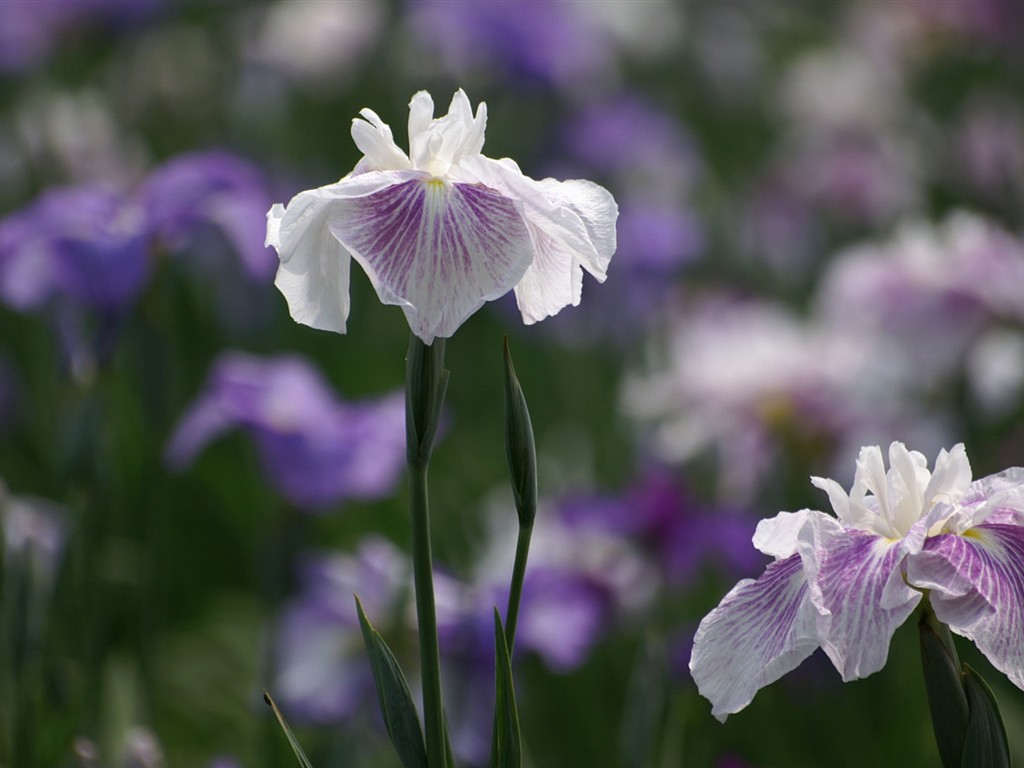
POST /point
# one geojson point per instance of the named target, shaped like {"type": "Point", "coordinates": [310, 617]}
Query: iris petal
{"type": "Point", "coordinates": [760, 631]}
{"type": "Point", "coordinates": [856, 582]}
{"type": "Point", "coordinates": [436, 249]}
{"type": "Point", "coordinates": [977, 584]}
{"type": "Point", "coordinates": [572, 225]}
{"type": "Point", "coordinates": [314, 271]}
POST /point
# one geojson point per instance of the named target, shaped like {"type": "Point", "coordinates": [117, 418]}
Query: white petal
{"type": "Point", "coordinates": [374, 139]}
{"type": "Point", "coordinates": [598, 211]}
{"type": "Point", "coordinates": [314, 271]}
{"type": "Point", "coordinates": [761, 630]}
{"type": "Point", "coordinates": [437, 250]}
{"type": "Point", "coordinates": [555, 212]}
{"type": "Point", "coordinates": [551, 283]}
{"type": "Point", "coordinates": [779, 536]}
{"type": "Point", "coordinates": [977, 589]}
{"type": "Point", "coordinates": [856, 582]}
{"type": "Point", "coordinates": [421, 114]}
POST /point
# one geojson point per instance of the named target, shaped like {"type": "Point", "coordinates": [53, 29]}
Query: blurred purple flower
{"type": "Point", "coordinates": [658, 515]}
{"type": "Point", "coordinates": [755, 386]}
{"type": "Point", "coordinates": [577, 45]}
{"type": "Point", "coordinates": [210, 188]}
{"type": "Point", "coordinates": [323, 674]}
{"type": "Point", "coordinates": [93, 244]}
{"type": "Point", "coordinates": [34, 28]}
{"type": "Point", "coordinates": [928, 291]}
{"type": "Point", "coordinates": [643, 147]}
{"type": "Point", "coordinates": [315, 449]}
{"type": "Point", "coordinates": [547, 45]}
{"type": "Point", "coordinates": [651, 161]}
{"type": "Point", "coordinates": [86, 243]}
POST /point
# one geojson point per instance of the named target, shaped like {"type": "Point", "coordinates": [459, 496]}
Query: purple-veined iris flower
{"type": "Point", "coordinates": [315, 449]}
{"type": "Point", "coordinates": [441, 230]}
{"type": "Point", "coordinates": [845, 583]}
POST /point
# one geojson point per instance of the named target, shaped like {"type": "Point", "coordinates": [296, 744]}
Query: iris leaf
{"type": "Point", "coordinates": [508, 751]}
{"type": "Point", "coordinates": [299, 754]}
{"type": "Point", "coordinates": [394, 697]}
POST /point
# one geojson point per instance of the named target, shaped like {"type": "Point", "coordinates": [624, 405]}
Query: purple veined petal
{"type": "Point", "coordinates": [977, 589]}
{"type": "Point", "coordinates": [856, 582]}
{"type": "Point", "coordinates": [578, 214]}
{"type": "Point", "coordinates": [439, 250]}
{"type": "Point", "coordinates": [760, 631]}
{"type": "Point", "coordinates": [314, 271]}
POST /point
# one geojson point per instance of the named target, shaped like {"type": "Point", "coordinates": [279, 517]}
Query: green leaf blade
{"type": "Point", "coordinates": [508, 752]}
{"type": "Point", "coordinates": [296, 748]}
{"type": "Point", "coordinates": [395, 698]}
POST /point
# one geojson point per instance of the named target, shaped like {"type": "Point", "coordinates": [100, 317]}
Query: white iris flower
{"type": "Point", "coordinates": [845, 583]}
{"type": "Point", "coordinates": [441, 230]}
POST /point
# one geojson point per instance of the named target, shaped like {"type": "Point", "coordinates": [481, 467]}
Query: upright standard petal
{"type": "Point", "coordinates": [760, 631]}
{"type": "Point", "coordinates": [977, 589]}
{"type": "Point", "coordinates": [857, 583]}
{"type": "Point", "coordinates": [439, 250]}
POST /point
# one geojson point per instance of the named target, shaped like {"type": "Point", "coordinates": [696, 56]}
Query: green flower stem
{"type": "Point", "coordinates": [423, 577]}
{"type": "Point", "coordinates": [426, 382]}
{"type": "Point", "coordinates": [942, 632]}
{"type": "Point", "coordinates": [516, 589]}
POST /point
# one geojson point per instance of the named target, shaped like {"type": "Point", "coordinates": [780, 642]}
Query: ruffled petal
{"type": "Point", "coordinates": [779, 536]}
{"type": "Point", "coordinates": [436, 249]}
{"type": "Point", "coordinates": [572, 225]}
{"type": "Point", "coordinates": [760, 631]}
{"type": "Point", "coordinates": [977, 589]}
{"type": "Point", "coordinates": [597, 209]}
{"type": "Point", "coordinates": [856, 582]}
{"type": "Point", "coordinates": [314, 271]}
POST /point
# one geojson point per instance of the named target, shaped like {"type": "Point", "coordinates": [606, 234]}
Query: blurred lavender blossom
{"type": "Point", "coordinates": [566, 45]}
{"type": "Point", "coordinates": [314, 449]}
{"type": "Point", "coordinates": [88, 251]}
{"type": "Point", "coordinates": [33, 29]}
{"type": "Point", "coordinates": [928, 292]}
{"type": "Point", "coordinates": [661, 518]}
{"type": "Point", "coordinates": [652, 162]}
{"type": "Point", "coordinates": [315, 43]}
{"type": "Point", "coordinates": [751, 383]}
{"type": "Point", "coordinates": [323, 675]}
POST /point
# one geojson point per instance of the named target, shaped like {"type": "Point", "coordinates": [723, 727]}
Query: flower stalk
{"type": "Point", "coordinates": [426, 384]}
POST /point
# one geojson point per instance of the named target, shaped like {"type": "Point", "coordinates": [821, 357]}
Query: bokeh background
{"type": "Point", "coordinates": [819, 248]}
